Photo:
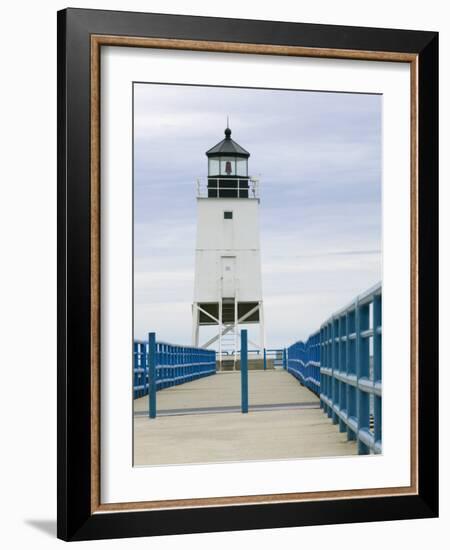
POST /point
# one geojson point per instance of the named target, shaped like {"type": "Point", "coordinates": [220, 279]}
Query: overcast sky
{"type": "Point", "coordinates": [318, 157]}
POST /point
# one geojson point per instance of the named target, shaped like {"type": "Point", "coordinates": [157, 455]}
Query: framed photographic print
{"type": "Point", "coordinates": [247, 274]}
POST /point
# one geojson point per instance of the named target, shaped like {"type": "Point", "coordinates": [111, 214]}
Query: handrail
{"type": "Point", "coordinates": [303, 362]}
{"type": "Point", "coordinates": [363, 298]}
{"type": "Point", "coordinates": [342, 364]}
{"type": "Point", "coordinates": [173, 365]}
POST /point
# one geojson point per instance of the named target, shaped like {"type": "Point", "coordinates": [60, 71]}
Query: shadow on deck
{"type": "Point", "coordinates": [284, 421]}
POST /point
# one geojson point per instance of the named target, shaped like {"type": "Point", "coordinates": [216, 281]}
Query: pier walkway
{"type": "Point", "coordinates": [200, 421]}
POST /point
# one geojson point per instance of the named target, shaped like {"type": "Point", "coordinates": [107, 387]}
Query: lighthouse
{"type": "Point", "coordinates": [227, 287]}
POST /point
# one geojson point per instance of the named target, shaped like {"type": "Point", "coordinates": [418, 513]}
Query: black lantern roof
{"type": "Point", "coordinates": [228, 147]}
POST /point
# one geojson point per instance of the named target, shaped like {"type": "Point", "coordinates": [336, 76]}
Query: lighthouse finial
{"type": "Point", "coordinates": [227, 129]}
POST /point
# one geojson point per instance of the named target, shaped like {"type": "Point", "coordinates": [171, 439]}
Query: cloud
{"type": "Point", "coordinates": [319, 160]}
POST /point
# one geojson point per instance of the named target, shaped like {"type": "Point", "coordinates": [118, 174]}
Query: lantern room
{"type": "Point", "coordinates": [228, 169]}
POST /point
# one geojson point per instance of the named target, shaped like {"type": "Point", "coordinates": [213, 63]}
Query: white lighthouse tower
{"type": "Point", "coordinates": [228, 289]}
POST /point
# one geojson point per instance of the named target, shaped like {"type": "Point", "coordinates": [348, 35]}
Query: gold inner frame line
{"type": "Point", "coordinates": [97, 41]}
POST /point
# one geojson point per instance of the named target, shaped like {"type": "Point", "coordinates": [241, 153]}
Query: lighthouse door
{"type": "Point", "coordinates": [228, 276]}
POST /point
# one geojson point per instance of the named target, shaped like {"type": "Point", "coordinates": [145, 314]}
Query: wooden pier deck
{"type": "Point", "coordinates": [200, 422]}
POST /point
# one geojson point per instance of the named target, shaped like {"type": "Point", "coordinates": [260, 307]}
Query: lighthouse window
{"type": "Point", "coordinates": [241, 167]}
{"type": "Point", "coordinates": [214, 167]}
{"type": "Point", "coordinates": [227, 215]}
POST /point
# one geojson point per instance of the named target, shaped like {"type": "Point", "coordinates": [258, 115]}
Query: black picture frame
{"type": "Point", "coordinates": [76, 521]}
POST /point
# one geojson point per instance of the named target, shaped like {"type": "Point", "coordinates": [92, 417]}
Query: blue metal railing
{"type": "Point", "coordinates": [303, 362]}
{"type": "Point", "coordinates": [276, 355]}
{"type": "Point", "coordinates": [172, 365]}
{"type": "Point", "coordinates": [342, 364]}
{"type": "Point", "coordinates": [351, 374]}
{"type": "Point", "coordinates": [244, 371]}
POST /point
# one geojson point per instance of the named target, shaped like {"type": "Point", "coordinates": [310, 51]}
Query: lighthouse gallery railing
{"type": "Point", "coordinates": [342, 364]}
{"type": "Point", "coordinates": [247, 185]}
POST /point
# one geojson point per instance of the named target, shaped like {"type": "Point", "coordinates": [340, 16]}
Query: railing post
{"type": "Point", "coordinates": [244, 372]}
{"type": "Point", "coordinates": [265, 359]}
{"type": "Point", "coordinates": [321, 363]}
{"type": "Point", "coordinates": [330, 367]}
{"type": "Point", "coordinates": [135, 367]}
{"type": "Point", "coordinates": [334, 380]}
{"type": "Point", "coordinates": [377, 370]}
{"type": "Point", "coordinates": [152, 375]}
{"type": "Point", "coordinates": [351, 371]}
{"type": "Point", "coordinates": [342, 370]}
{"type": "Point", "coordinates": [362, 368]}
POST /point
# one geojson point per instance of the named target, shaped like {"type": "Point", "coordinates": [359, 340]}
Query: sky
{"type": "Point", "coordinates": [318, 158]}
